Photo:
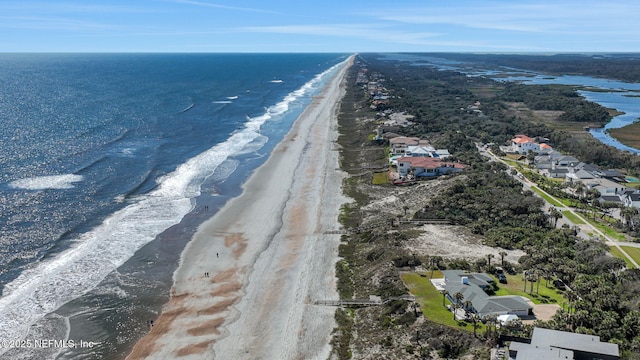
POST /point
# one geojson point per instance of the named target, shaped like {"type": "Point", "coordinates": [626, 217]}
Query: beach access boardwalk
{"type": "Point", "coordinates": [372, 301]}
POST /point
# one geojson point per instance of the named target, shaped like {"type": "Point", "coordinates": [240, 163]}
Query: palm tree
{"type": "Point", "coordinates": [581, 189]}
{"type": "Point", "coordinates": [444, 296]}
{"type": "Point", "coordinates": [628, 212]}
{"type": "Point", "coordinates": [502, 255]}
{"type": "Point", "coordinates": [454, 307]}
{"type": "Point", "coordinates": [555, 214]}
{"type": "Point", "coordinates": [490, 319]}
{"type": "Point", "coordinates": [467, 306]}
{"type": "Point", "coordinates": [489, 256]}
{"type": "Point", "coordinates": [474, 319]}
{"type": "Point", "coordinates": [572, 297]}
{"type": "Point", "coordinates": [458, 297]}
{"type": "Point", "coordinates": [532, 279]}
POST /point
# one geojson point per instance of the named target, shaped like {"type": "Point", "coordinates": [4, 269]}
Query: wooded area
{"type": "Point", "coordinates": [604, 297]}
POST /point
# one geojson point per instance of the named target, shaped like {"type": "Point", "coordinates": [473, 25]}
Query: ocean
{"type": "Point", "coordinates": [108, 163]}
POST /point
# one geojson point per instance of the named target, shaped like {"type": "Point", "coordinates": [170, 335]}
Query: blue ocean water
{"type": "Point", "coordinates": [101, 154]}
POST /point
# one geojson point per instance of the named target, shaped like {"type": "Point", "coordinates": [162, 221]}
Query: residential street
{"type": "Point", "coordinates": [586, 230]}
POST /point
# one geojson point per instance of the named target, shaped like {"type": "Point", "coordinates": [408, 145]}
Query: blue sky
{"type": "Point", "coordinates": [319, 26]}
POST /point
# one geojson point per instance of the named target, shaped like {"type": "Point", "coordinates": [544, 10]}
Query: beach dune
{"type": "Point", "coordinates": [247, 280]}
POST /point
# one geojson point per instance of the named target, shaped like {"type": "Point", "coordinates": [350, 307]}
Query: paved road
{"type": "Point", "coordinates": [585, 229]}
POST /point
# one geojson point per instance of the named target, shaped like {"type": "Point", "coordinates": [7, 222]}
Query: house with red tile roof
{"type": "Point", "coordinates": [522, 144]}
{"type": "Point", "coordinates": [426, 167]}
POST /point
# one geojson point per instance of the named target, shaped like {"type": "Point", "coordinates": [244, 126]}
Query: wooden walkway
{"type": "Point", "coordinates": [427, 221]}
{"type": "Point", "coordinates": [363, 302]}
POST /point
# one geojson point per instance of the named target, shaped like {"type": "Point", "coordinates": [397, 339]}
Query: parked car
{"type": "Point", "coordinates": [559, 284]}
{"type": "Point", "coordinates": [502, 278]}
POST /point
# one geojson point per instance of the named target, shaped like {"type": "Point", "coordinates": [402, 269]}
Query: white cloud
{"type": "Point", "coordinates": [345, 30]}
{"type": "Point", "coordinates": [226, 7]}
{"type": "Point", "coordinates": [51, 23]}
{"type": "Point", "coordinates": [538, 17]}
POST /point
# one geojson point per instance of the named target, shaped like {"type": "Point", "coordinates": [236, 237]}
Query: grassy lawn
{"type": "Point", "coordinates": [546, 197]}
{"type": "Point", "coordinates": [572, 217]}
{"type": "Point", "coordinates": [510, 162]}
{"type": "Point", "coordinates": [607, 230]}
{"type": "Point", "coordinates": [515, 286]}
{"type": "Point", "coordinates": [634, 252]}
{"type": "Point", "coordinates": [430, 301]}
{"type": "Point", "coordinates": [615, 252]}
{"type": "Point", "coordinates": [380, 178]}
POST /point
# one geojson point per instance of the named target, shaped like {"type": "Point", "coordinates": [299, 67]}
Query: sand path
{"type": "Point", "coordinates": [268, 256]}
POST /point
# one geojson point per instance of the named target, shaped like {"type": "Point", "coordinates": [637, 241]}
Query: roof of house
{"type": "Point", "coordinates": [600, 182]}
{"type": "Point", "coordinates": [404, 140]}
{"type": "Point", "coordinates": [582, 174]}
{"type": "Point", "coordinates": [568, 159]}
{"type": "Point", "coordinates": [481, 302]}
{"type": "Point", "coordinates": [478, 279]}
{"type": "Point", "coordinates": [633, 196]}
{"type": "Point", "coordinates": [528, 352]}
{"type": "Point", "coordinates": [610, 173]}
{"type": "Point", "coordinates": [558, 171]}
{"type": "Point", "coordinates": [610, 198]}
{"type": "Point", "coordinates": [521, 139]}
{"type": "Point", "coordinates": [429, 162]}
{"type": "Point", "coordinates": [586, 167]}
{"type": "Point", "coordinates": [420, 149]}
{"type": "Point", "coordinates": [545, 146]}
{"type": "Point", "coordinates": [571, 341]}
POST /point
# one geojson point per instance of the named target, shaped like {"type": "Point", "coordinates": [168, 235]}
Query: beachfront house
{"type": "Point", "coordinates": [473, 286]}
{"type": "Point", "coordinates": [399, 144]}
{"type": "Point", "coordinates": [562, 345]}
{"type": "Point", "coordinates": [410, 166]}
{"type": "Point", "coordinates": [420, 150]}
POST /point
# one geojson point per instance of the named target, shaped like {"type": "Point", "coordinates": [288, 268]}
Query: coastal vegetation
{"type": "Point", "coordinates": [628, 135]}
{"type": "Point", "coordinates": [486, 201]}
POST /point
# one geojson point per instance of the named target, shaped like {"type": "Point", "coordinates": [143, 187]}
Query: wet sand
{"type": "Point", "coordinates": [247, 280]}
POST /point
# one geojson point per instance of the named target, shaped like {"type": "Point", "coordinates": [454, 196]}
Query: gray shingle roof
{"type": "Point", "coordinates": [481, 302]}
{"type": "Point", "coordinates": [572, 341]}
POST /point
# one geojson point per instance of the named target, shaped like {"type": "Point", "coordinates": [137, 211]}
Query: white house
{"type": "Point", "coordinates": [631, 198]}
{"type": "Point", "coordinates": [604, 186]}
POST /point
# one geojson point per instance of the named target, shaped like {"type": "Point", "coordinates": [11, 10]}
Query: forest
{"type": "Point", "coordinates": [604, 295]}
{"type": "Point", "coordinates": [440, 100]}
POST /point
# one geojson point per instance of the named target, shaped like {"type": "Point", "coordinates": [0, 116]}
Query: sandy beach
{"type": "Point", "coordinates": [248, 279]}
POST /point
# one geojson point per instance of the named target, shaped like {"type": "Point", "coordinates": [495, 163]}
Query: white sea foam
{"type": "Point", "coordinates": [232, 97]}
{"type": "Point", "coordinates": [46, 182]}
{"type": "Point", "coordinates": [276, 81]}
{"type": "Point", "coordinates": [50, 284]}
{"type": "Point", "coordinates": [222, 102]}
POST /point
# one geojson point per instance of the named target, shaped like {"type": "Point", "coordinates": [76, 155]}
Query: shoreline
{"type": "Point", "coordinates": [247, 280]}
